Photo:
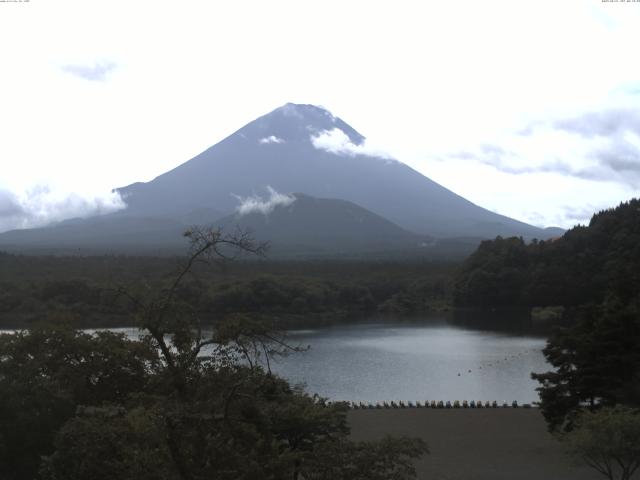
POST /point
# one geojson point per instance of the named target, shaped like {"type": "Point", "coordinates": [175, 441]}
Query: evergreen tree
{"type": "Point", "coordinates": [597, 363]}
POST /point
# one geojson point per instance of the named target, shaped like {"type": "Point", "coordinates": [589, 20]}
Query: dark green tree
{"type": "Point", "coordinates": [494, 275]}
{"type": "Point", "coordinates": [46, 372]}
{"type": "Point", "coordinates": [597, 363]}
{"type": "Point", "coordinates": [387, 459]}
{"type": "Point", "coordinates": [608, 441]}
{"type": "Point", "coordinates": [579, 268]}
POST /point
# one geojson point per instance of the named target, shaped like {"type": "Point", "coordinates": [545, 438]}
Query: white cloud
{"type": "Point", "coordinates": [271, 139]}
{"type": "Point", "coordinates": [338, 142]}
{"type": "Point", "coordinates": [96, 72]}
{"type": "Point", "coordinates": [548, 177]}
{"type": "Point", "coordinates": [265, 206]}
{"type": "Point", "coordinates": [40, 206]}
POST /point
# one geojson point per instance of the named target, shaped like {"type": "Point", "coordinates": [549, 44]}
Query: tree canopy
{"type": "Point", "coordinates": [579, 268]}
{"type": "Point", "coordinates": [596, 361]}
{"type": "Point", "coordinates": [608, 441]}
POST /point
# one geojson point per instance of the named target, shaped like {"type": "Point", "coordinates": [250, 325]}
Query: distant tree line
{"type": "Point", "coordinates": [84, 289]}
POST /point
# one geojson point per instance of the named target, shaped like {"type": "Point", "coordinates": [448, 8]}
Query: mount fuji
{"type": "Point", "coordinates": [295, 148]}
{"type": "Point", "coordinates": [304, 148]}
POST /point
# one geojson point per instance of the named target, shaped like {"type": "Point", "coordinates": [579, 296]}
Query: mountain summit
{"type": "Point", "coordinates": [304, 148]}
{"type": "Point", "coordinates": [296, 123]}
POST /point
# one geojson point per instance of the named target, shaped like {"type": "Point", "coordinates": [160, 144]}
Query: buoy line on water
{"type": "Point", "coordinates": [499, 362]}
{"type": "Point", "coordinates": [439, 404]}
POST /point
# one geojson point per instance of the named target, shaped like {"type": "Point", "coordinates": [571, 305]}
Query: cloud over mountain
{"type": "Point", "coordinates": [265, 206]}
{"type": "Point", "coordinates": [338, 142]}
{"type": "Point", "coordinates": [271, 139]}
{"type": "Point", "coordinates": [41, 205]}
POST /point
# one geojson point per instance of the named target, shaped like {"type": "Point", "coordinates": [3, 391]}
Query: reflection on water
{"type": "Point", "coordinates": [418, 360]}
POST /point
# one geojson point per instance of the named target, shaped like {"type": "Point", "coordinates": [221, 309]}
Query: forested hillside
{"type": "Point", "coordinates": [584, 266]}
{"type": "Point", "coordinates": [84, 289]}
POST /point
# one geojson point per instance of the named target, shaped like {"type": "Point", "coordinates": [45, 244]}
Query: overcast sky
{"type": "Point", "coordinates": [528, 108]}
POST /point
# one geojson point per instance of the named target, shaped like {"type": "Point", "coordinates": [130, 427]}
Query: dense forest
{"type": "Point", "coordinates": [85, 289]}
{"type": "Point", "coordinates": [583, 266]}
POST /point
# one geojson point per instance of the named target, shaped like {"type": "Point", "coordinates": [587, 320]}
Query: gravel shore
{"type": "Point", "coordinates": [475, 444]}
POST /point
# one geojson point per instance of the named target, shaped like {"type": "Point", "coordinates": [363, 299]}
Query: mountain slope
{"type": "Point", "coordinates": [114, 233]}
{"type": "Point", "coordinates": [303, 148]}
{"type": "Point", "coordinates": [307, 224]}
{"type": "Point", "coordinates": [295, 225]}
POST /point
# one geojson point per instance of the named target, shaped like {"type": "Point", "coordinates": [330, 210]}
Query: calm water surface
{"type": "Point", "coordinates": [412, 361]}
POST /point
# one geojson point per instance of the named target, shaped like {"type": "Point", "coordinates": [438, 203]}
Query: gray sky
{"type": "Point", "coordinates": [528, 108]}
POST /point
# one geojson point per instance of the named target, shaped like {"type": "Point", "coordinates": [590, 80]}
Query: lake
{"type": "Point", "coordinates": [411, 361]}
{"type": "Point", "coordinates": [415, 361]}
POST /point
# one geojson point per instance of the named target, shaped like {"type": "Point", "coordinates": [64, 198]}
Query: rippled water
{"type": "Point", "coordinates": [377, 362]}
{"type": "Point", "coordinates": [412, 361]}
